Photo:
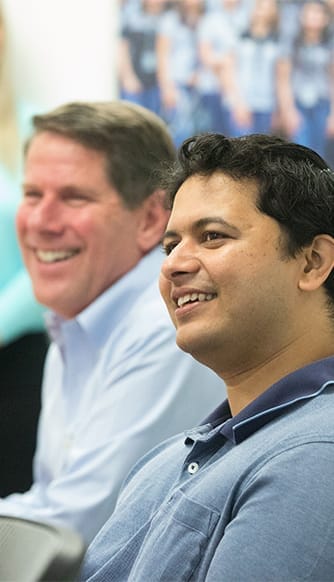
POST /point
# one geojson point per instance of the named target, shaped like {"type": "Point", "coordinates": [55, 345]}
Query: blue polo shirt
{"type": "Point", "coordinates": [244, 498]}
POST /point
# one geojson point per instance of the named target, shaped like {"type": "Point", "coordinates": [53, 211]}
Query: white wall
{"type": "Point", "coordinates": [63, 50]}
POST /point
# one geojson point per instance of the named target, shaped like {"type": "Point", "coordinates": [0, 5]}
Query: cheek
{"type": "Point", "coordinates": [242, 275]}
{"type": "Point", "coordinates": [90, 230]}
{"type": "Point", "coordinates": [21, 220]}
{"type": "Point", "coordinates": [164, 287]}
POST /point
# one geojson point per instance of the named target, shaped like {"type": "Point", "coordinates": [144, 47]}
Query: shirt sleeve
{"type": "Point", "coordinates": [282, 526]}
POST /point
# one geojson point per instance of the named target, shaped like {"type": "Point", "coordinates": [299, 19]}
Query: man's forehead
{"type": "Point", "coordinates": [219, 200]}
{"type": "Point", "coordinates": [216, 188]}
{"type": "Point", "coordinates": [49, 140]}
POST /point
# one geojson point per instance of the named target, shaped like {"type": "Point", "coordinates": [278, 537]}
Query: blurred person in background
{"type": "Point", "coordinates": [236, 14]}
{"type": "Point", "coordinates": [178, 67]}
{"type": "Point", "coordinates": [23, 341]}
{"type": "Point", "coordinates": [289, 19]}
{"type": "Point", "coordinates": [305, 83]}
{"type": "Point", "coordinates": [137, 70]}
{"type": "Point", "coordinates": [329, 151]}
{"type": "Point", "coordinates": [250, 73]}
{"type": "Point", "coordinates": [216, 40]}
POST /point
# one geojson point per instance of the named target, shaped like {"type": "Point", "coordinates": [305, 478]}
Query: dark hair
{"type": "Point", "coordinates": [295, 185]}
{"type": "Point", "coordinates": [134, 140]}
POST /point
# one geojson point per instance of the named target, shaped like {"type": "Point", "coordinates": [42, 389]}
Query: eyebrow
{"type": "Point", "coordinates": [63, 190]}
{"type": "Point", "coordinates": [202, 223]}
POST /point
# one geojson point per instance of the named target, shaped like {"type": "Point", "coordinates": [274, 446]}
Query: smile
{"type": "Point", "coordinates": [55, 256]}
{"type": "Point", "coordinates": [193, 297]}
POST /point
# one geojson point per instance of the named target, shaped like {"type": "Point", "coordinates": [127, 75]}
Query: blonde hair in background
{"type": "Point", "coordinates": [10, 147]}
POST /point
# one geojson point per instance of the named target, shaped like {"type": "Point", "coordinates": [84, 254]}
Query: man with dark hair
{"type": "Point", "coordinates": [115, 383]}
{"type": "Point", "coordinates": [248, 282]}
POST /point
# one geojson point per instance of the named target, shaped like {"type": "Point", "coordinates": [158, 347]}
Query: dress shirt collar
{"type": "Point", "coordinates": [302, 384]}
{"type": "Point", "coordinates": [104, 314]}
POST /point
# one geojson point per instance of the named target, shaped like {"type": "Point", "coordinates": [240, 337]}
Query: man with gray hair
{"type": "Point", "coordinates": [115, 383]}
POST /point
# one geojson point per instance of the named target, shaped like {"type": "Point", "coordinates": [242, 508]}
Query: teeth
{"type": "Point", "coordinates": [54, 256]}
{"type": "Point", "coordinates": [182, 300]}
{"type": "Point", "coordinates": [190, 297]}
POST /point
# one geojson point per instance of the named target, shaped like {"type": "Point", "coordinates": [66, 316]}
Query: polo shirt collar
{"type": "Point", "coordinates": [307, 382]}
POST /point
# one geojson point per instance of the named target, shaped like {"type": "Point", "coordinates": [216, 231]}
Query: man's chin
{"type": "Point", "coordinates": [186, 343]}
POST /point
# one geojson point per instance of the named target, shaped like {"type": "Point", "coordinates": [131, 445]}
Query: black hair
{"type": "Point", "coordinates": [295, 185]}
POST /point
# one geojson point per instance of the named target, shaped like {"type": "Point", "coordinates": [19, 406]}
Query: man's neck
{"type": "Point", "coordinates": [247, 383]}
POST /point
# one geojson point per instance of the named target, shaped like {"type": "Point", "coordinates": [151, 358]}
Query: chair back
{"type": "Point", "coordinates": [31, 551]}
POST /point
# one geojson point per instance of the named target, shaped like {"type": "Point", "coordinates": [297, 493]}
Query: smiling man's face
{"type": "Point", "coordinates": [228, 289]}
{"type": "Point", "coordinates": [77, 237]}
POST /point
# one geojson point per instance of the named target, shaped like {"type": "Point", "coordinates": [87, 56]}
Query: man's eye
{"type": "Point", "coordinates": [213, 235]}
{"type": "Point", "coordinates": [75, 196]}
{"type": "Point", "coordinates": [168, 247]}
{"type": "Point", "coordinates": [76, 199]}
{"type": "Point", "coordinates": [32, 194]}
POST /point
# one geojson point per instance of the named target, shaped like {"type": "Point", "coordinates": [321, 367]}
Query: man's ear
{"type": "Point", "coordinates": [318, 262]}
{"type": "Point", "coordinates": [152, 222]}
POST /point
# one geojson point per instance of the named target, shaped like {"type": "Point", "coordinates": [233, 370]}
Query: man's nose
{"type": "Point", "coordinates": [181, 261]}
{"type": "Point", "coordinates": [47, 215]}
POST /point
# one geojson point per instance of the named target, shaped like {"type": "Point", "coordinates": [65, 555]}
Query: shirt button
{"type": "Point", "coordinates": [193, 468]}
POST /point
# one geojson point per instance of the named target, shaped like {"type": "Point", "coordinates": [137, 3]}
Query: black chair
{"type": "Point", "coordinates": [31, 551]}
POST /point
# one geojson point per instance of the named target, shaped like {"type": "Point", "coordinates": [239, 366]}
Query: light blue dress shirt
{"type": "Point", "coordinates": [115, 385]}
{"type": "Point", "coordinates": [242, 499]}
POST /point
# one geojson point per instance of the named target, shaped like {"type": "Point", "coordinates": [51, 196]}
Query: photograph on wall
{"type": "Point", "coordinates": [232, 66]}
